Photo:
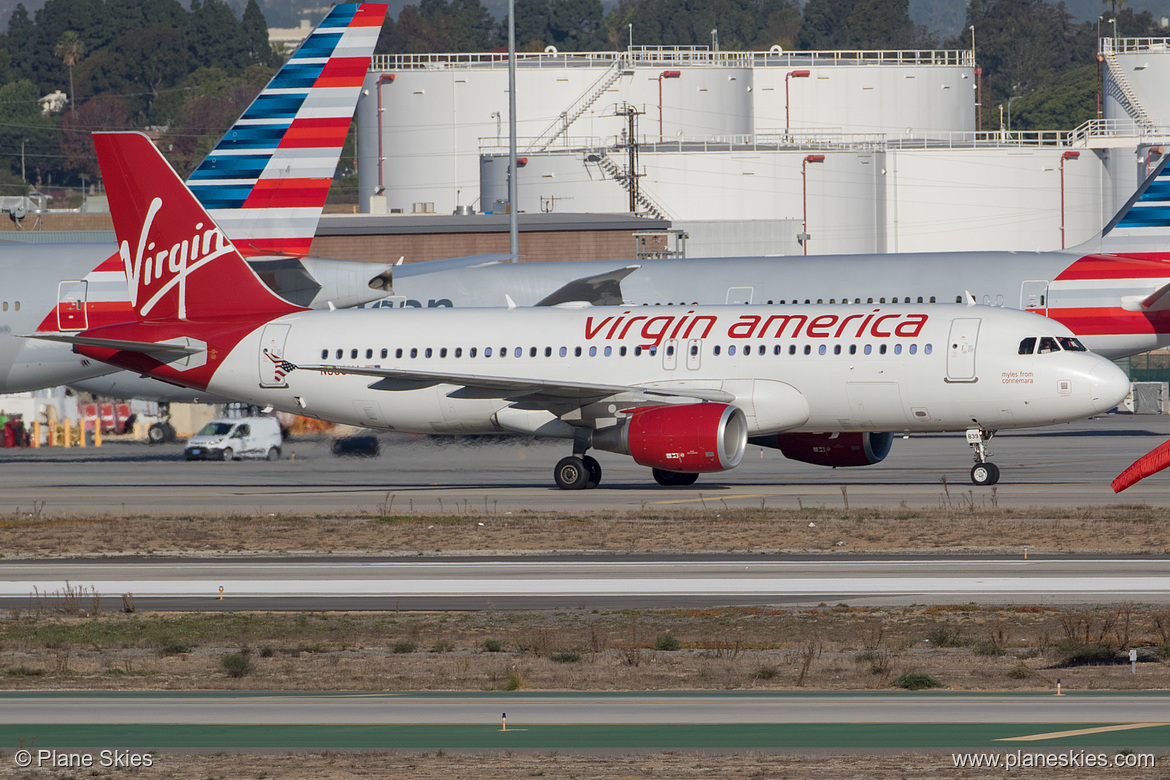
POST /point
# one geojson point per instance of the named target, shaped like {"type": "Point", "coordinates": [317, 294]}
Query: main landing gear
{"type": "Point", "coordinates": [983, 473]}
{"type": "Point", "coordinates": [578, 471]}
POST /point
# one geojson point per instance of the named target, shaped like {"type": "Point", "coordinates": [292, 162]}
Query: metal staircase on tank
{"type": "Point", "coordinates": [622, 177]}
{"type": "Point", "coordinates": [579, 106]}
{"type": "Point", "coordinates": [1122, 92]}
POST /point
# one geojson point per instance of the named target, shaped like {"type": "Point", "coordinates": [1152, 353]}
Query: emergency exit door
{"type": "Point", "coordinates": [961, 350]}
{"type": "Point", "coordinates": [273, 371]}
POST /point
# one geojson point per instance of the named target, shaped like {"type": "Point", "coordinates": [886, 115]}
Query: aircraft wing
{"type": "Point", "coordinates": [406, 270]}
{"type": "Point", "coordinates": [144, 347]}
{"type": "Point", "coordinates": [600, 290]}
{"type": "Point", "coordinates": [555, 395]}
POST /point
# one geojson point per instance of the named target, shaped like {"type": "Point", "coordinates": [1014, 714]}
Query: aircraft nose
{"type": "Point", "coordinates": [1109, 385]}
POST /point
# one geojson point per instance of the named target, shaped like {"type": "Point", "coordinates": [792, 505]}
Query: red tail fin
{"type": "Point", "coordinates": [179, 265]}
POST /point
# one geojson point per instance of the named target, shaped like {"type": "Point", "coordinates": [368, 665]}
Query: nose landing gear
{"type": "Point", "coordinates": [983, 473]}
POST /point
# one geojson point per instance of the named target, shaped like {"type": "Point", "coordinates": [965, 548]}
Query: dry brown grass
{"type": "Point", "coordinates": [832, 648]}
{"type": "Point", "coordinates": [1117, 529]}
{"type": "Point", "coordinates": [682, 765]}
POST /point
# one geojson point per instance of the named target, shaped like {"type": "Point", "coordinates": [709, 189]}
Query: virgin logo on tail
{"type": "Point", "coordinates": [175, 262]}
{"type": "Point", "coordinates": [165, 236]}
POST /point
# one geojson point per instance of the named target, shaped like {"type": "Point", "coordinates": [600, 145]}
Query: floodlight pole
{"type": "Point", "coordinates": [513, 224]}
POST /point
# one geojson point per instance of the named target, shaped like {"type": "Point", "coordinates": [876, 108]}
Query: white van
{"type": "Point", "coordinates": [239, 437]}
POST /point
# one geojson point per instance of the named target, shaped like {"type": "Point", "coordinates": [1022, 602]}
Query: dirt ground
{"type": "Point", "coordinates": [506, 766]}
{"type": "Point", "coordinates": [953, 529]}
{"type": "Point", "coordinates": [964, 647]}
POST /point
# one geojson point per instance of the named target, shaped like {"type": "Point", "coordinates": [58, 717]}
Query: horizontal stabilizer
{"type": "Point", "coordinates": [407, 270]}
{"type": "Point", "coordinates": [144, 347]}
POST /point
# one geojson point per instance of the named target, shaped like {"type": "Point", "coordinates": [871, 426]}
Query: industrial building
{"type": "Point", "coordinates": [768, 153]}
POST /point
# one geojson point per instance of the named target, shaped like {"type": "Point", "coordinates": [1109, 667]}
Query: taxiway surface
{"type": "Point", "coordinates": [1067, 465]}
{"type": "Point", "coordinates": [589, 582]}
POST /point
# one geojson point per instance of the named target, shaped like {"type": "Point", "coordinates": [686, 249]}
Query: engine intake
{"type": "Point", "coordinates": [830, 449]}
{"type": "Point", "coordinates": [691, 438]}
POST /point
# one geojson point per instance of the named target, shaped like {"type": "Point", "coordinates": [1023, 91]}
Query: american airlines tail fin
{"type": "Point", "coordinates": [1144, 221]}
{"type": "Point", "coordinates": [178, 263]}
{"type": "Point", "coordinates": [266, 181]}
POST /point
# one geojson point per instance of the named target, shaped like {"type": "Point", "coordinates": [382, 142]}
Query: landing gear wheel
{"type": "Point", "coordinates": [594, 469]}
{"type": "Point", "coordinates": [571, 473]}
{"type": "Point", "coordinates": [228, 453]}
{"type": "Point", "coordinates": [984, 474]}
{"type": "Point", "coordinates": [273, 453]}
{"type": "Point", "coordinates": [157, 433]}
{"type": "Point", "coordinates": [674, 478]}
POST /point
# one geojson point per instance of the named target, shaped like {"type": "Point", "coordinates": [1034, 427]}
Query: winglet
{"type": "Point", "coordinates": [1147, 465]}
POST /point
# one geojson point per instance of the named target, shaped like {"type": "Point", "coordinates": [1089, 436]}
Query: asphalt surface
{"type": "Point", "coordinates": [589, 582]}
{"type": "Point", "coordinates": [408, 708]}
{"type": "Point", "coordinates": [1067, 465]}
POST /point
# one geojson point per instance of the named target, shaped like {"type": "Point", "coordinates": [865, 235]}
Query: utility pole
{"type": "Point", "coordinates": [632, 114]}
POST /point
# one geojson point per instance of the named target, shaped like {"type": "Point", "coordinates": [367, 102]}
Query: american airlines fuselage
{"type": "Point", "coordinates": [1097, 296]}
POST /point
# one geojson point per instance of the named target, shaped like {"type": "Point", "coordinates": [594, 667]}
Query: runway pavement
{"type": "Point", "coordinates": [592, 582]}
{"type": "Point", "coordinates": [640, 721]}
{"type": "Point", "coordinates": [1068, 465]}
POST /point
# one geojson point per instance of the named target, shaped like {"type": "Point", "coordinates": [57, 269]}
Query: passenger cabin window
{"type": "Point", "coordinates": [1028, 345]}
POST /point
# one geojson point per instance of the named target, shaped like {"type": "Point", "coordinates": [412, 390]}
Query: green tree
{"type": "Point", "coordinates": [256, 35]}
{"type": "Point", "coordinates": [21, 121]}
{"type": "Point", "coordinates": [102, 112]}
{"type": "Point", "coordinates": [70, 48]}
{"type": "Point", "coordinates": [216, 38]}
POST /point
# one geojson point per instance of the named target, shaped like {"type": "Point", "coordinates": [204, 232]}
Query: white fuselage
{"type": "Point", "coordinates": [807, 368]}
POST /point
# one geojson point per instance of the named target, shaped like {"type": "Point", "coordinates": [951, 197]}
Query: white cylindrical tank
{"type": "Point", "coordinates": [1140, 70]}
{"type": "Point", "coordinates": [895, 100]}
{"type": "Point", "coordinates": [997, 198]}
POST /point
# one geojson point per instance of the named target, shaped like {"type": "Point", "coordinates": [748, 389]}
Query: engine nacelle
{"type": "Point", "coordinates": [830, 449]}
{"type": "Point", "coordinates": [690, 438]}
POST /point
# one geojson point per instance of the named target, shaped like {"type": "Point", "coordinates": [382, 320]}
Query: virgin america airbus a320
{"type": "Point", "coordinates": [681, 391]}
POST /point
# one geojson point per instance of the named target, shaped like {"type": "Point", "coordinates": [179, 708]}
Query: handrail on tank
{"type": "Point", "coordinates": [833, 138]}
{"type": "Point", "coordinates": [656, 56]}
{"type": "Point", "coordinates": [1133, 45]}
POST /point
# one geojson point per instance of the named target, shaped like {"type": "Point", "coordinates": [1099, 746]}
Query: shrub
{"type": "Point", "coordinates": [267, 651]}
{"type": "Point", "coordinates": [1021, 672]}
{"type": "Point", "coordinates": [945, 636]}
{"type": "Point", "coordinates": [1163, 651]}
{"type": "Point", "coordinates": [23, 671]}
{"type": "Point", "coordinates": [666, 642]}
{"type": "Point", "coordinates": [176, 648]}
{"type": "Point", "coordinates": [987, 647]}
{"type": "Point", "coordinates": [492, 646]}
{"type": "Point", "coordinates": [515, 681]}
{"type": "Point", "coordinates": [566, 657]}
{"type": "Point", "coordinates": [238, 664]}
{"type": "Point", "coordinates": [404, 646]}
{"type": "Point", "coordinates": [767, 672]}
{"type": "Point", "coordinates": [443, 646]}
{"type": "Point", "coordinates": [917, 681]}
{"type": "Point", "coordinates": [1071, 654]}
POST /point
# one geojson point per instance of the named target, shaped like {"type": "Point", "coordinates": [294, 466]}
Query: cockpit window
{"type": "Point", "coordinates": [1071, 344]}
{"type": "Point", "coordinates": [1047, 344]}
{"type": "Point", "coordinates": [1028, 345]}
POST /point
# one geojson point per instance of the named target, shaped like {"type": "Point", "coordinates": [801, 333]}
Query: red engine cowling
{"type": "Point", "coordinates": [691, 438]}
{"type": "Point", "coordinates": [830, 449]}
